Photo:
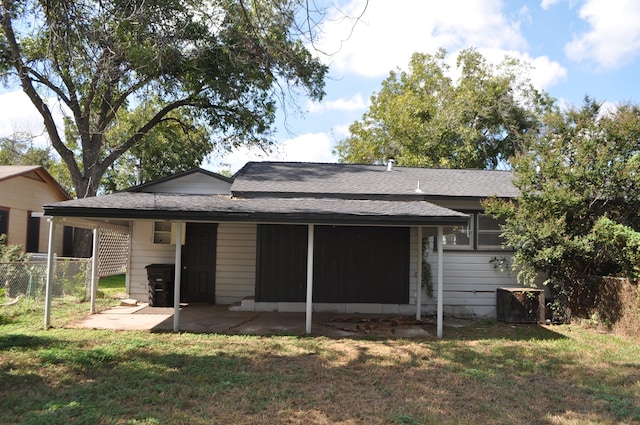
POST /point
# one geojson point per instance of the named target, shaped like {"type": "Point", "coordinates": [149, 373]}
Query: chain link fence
{"type": "Point", "coordinates": [71, 278]}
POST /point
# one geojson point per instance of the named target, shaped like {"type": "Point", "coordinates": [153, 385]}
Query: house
{"type": "Point", "coordinates": [23, 192]}
{"type": "Point", "coordinates": [315, 237]}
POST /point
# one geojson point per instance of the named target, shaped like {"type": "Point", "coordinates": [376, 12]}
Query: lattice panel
{"type": "Point", "coordinates": [113, 252]}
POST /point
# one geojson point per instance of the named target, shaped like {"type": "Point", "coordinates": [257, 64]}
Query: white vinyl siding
{"type": "Point", "coordinates": [470, 282]}
{"type": "Point", "coordinates": [143, 253]}
{"type": "Point", "coordinates": [235, 262]}
{"type": "Point", "coordinates": [194, 183]}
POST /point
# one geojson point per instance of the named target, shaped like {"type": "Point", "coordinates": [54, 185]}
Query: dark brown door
{"type": "Point", "coordinates": [199, 263]}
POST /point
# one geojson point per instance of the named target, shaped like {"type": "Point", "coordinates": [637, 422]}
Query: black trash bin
{"type": "Point", "coordinates": [161, 284]}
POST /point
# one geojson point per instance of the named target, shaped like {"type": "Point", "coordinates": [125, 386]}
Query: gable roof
{"type": "Point", "coordinates": [297, 179]}
{"type": "Point", "coordinates": [36, 172]}
{"type": "Point", "coordinates": [171, 182]}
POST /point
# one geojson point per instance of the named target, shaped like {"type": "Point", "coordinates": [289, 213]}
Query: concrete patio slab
{"type": "Point", "coordinates": [205, 318]}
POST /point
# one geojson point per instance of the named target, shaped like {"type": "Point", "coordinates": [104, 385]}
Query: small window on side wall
{"type": "Point", "coordinates": [162, 232]}
{"type": "Point", "coordinates": [165, 232]}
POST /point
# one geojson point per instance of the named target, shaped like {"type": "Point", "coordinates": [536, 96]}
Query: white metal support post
{"type": "Point", "coordinates": [50, 263]}
{"type": "Point", "coordinates": [309, 310]}
{"type": "Point", "coordinates": [440, 283]}
{"type": "Point", "coordinates": [94, 268]}
{"type": "Point", "coordinates": [176, 279]}
{"type": "Point", "coordinates": [419, 280]}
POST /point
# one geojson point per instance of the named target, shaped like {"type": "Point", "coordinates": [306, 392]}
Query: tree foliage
{"type": "Point", "coordinates": [577, 213]}
{"type": "Point", "coordinates": [19, 149]}
{"type": "Point", "coordinates": [423, 117]}
{"type": "Point", "coordinates": [223, 63]}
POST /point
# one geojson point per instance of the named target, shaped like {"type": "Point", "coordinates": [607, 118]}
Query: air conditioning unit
{"type": "Point", "coordinates": [520, 305]}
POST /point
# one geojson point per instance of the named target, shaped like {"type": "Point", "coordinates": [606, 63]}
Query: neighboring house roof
{"type": "Point", "coordinates": [130, 205]}
{"type": "Point", "coordinates": [298, 179]}
{"type": "Point", "coordinates": [35, 172]}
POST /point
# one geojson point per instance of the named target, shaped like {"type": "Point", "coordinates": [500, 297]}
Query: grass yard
{"type": "Point", "coordinates": [112, 286]}
{"type": "Point", "coordinates": [484, 373]}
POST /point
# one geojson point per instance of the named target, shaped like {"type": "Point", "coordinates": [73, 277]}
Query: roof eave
{"type": "Point", "coordinates": [254, 217]}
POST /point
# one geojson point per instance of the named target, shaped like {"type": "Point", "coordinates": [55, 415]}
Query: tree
{"type": "Point", "coordinates": [577, 214]}
{"type": "Point", "coordinates": [423, 118]}
{"type": "Point", "coordinates": [177, 144]}
{"type": "Point", "coordinates": [19, 149]}
{"type": "Point", "coordinates": [225, 63]}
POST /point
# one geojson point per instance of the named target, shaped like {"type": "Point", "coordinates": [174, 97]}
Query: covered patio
{"type": "Point", "coordinates": [206, 318]}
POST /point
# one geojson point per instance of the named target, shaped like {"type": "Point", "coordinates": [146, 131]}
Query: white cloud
{"type": "Point", "coordinates": [614, 35]}
{"type": "Point", "coordinates": [310, 147]}
{"type": "Point", "coordinates": [355, 103]}
{"type": "Point", "coordinates": [341, 131]}
{"type": "Point", "coordinates": [389, 32]}
{"type": "Point", "coordinates": [546, 4]}
{"type": "Point", "coordinates": [19, 116]}
{"type": "Point", "coordinates": [544, 72]}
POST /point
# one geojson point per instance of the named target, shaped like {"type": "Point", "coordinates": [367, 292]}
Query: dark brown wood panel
{"type": "Point", "coordinates": [198, 283]}
{"type": "Point", "coordinates": [281, 263]}
{"type": "Point", "coordinates": [361, 264]}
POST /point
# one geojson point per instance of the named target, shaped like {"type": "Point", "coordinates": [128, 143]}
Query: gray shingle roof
{"type": "Point", "coordinates": [129, 205]}
{"type": "Point", "coordinates": [368, 181]}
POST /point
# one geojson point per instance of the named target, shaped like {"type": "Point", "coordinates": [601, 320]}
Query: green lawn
{"type": "Point", "coordinates": [111, 286]}
{"type": "Point", "coordinates": [483, 373]}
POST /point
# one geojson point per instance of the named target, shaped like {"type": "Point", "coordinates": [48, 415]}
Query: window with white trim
{"type": "Point", "coordinates": [482, 232]}
{"type": "Point", "coordinates": [459, 237]}
{"type": "Point", "coordinates": [162, 232]}
{"type": "Point", "coordinates": [489, 232]}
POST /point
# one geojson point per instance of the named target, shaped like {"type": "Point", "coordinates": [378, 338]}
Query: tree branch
{"type": "Point", "coordinates": [142, 131]}
{"type": "Point", "coordinates": [36, 99]}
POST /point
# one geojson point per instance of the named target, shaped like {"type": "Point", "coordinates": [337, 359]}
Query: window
{"type": "Point", "coordinates": [4, 221]}
{"type": "Point", "coordinates": [481, 232]}
{"type": "Point", "coordinates": [458, 237]}
{"type": "Point", "coordinates": [33, 233]}
{"type": "Point", "coordinates": [162, 232]}
{"type": "Point", "coordinates": [489, 231]}
{"type": "Point", "coordinates": [165, 232]}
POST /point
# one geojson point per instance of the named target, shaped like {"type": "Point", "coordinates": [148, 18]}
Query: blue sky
{"type": "Point", "coordinates": [576, 48]}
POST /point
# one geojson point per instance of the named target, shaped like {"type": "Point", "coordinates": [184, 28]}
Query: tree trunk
{"type": "Point", "coordinates": [83, 238]}
{"type": "Point", "coordinates": [82, 242]}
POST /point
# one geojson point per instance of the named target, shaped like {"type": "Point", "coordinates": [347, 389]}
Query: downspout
{"type": "Point", "coordinates": [178, 273]}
